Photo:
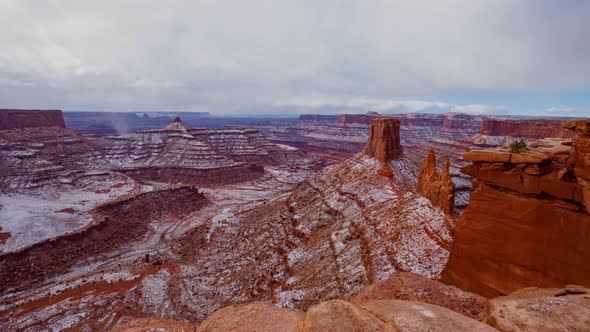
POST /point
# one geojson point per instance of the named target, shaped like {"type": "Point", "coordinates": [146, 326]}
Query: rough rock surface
{"type": "Point", "coordinates": [154, 325]}
{"type": "Point", "coordinates": [384, 140]}
{"type": "Point", "coordinates": [524, 128]}
{"type": "Point", "coordinates": [542, 310]}
{"type": "Point", "coordinates": [527, 223]}
{"type": "Point", "coordinates": [256, 316]}
{"type": "Point", "coordinates": [411, 287]}
{"type": "Point", "coordinates": [15, 119]}
{"type": "Point", "coordinates": [437, 186]}
{"type": "Point", "coordinates": [410, 316]}
{"type": "Point", "coordinates": [339, 315]}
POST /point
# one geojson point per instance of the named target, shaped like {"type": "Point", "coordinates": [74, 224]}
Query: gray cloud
{"type": "Point", "coordinates": [230, 56]}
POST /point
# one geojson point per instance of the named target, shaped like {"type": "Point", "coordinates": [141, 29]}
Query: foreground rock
{"type": "Point", "coordinates": [338, 315]}
{"type": "Point", "coordinates": [256, 316]}
{"type": "Point", "coordinates": [539, 310]}
{"type": "Point", "coordinates": [527, 223]}
{"type": "Point", "coordinates": [410, 287]}
{"type": "Point", "coordinates": [153, 325]}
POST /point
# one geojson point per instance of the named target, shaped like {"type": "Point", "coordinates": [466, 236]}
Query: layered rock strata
{"type": "Point", "coordinates": [116, 225]}
{"type": "Point", "coordinates": [527, 222]}
{"type": "Point", "coordinates": [437, 186]}
{"type": "Point", "coordinates": [384, 140]}
{"type": "Point", "coordinates": [16, 119]}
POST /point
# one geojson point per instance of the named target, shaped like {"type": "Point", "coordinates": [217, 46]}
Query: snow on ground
{"type": "Point", "coordinates": [31, 218]}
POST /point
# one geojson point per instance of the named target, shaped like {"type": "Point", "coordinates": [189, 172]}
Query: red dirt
{"type": "Point", "coordinates": [66, 210]}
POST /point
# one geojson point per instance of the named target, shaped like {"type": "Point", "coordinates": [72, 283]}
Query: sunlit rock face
{"type": "Point", "coordinates": [384, 140]}
{"type": "Point", "coordinates": [527, 222]}
{"type": "Point", "coordinates": [437, 186]}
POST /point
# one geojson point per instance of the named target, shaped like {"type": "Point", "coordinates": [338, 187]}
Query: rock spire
{"type": "Point", "coordinates": [437, 187]}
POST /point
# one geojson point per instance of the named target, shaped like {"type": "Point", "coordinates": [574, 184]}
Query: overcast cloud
{"type": "Point", "coordinates": [261, 56]}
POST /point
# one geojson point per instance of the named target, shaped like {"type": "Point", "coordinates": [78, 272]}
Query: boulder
{"type": "Point", "coordinates": [410, 316]}
{"type": "Point", "coordinates": [255, 316]}
{"type": "Point", "coordinates": [412, 287]}
{"type": "Point", "coordinates": [154, 324]}
{"type": "Point", "coordinates": [338, 315]}
{"type": "Point", "coordinates": [539, 310]}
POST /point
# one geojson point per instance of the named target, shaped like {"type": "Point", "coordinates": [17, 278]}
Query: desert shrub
{"type": "Point", "coordinates": [518, 146]}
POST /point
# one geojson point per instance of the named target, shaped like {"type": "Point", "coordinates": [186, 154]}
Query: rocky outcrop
{"type": "Point", "coordinates": [15, 119]}
{"type": "Point", "coordinates": [437, 186]}
{"type": "Point", "coordinates": [152, 324]}
{"type": "Point", "coordinates": [384, 140]}
{"type": "Point", "coordinates": [537, 128]}
{"type": "Point", "coordinates": [255, 316]}
{"type": "Point", "coordinates": [338, 315]}
{"type": "Point", "coordinates": [527, 222]}
{"type": "Point", "coordinates": [366, 119]}
{"type": "Point", "coordinates": [411, 287]}
{"type": "Point", "coordinates": [542, 310]}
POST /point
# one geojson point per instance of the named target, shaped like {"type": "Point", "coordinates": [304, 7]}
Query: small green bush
{"type": "Point", "coordinates": [518, 146]}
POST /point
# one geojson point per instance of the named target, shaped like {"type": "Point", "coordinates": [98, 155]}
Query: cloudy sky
{"type": "Point", "coordinates": [288, 57]}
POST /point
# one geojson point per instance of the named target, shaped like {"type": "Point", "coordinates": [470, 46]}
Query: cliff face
{"type": "Point", "coordinates": [527, 223]}
{"type": "Point", "coordinates": [437, 187]}
{"type": "Point", "coordinates": [344, 119]}
{"type": "Point", "coordinates": [525, 128]}
{"type": "Point", "coordinates": [14, 119]}
{"type": "Point", "coordinates": [384, 140]}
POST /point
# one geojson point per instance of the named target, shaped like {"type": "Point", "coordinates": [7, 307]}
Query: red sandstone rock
{"type": "Point", "coordinates": [542, 310]}
{"type": "Point", "coordinates": [152, 325]}
{"type": "Point", "coordinates": [411, 287]}
{"type": "Point", "coordinates": [384, 140]}
{"type": "Point", "coordinates": [505, 241]}
{"type": "Point", "coordinates": [255, 316]}
{"type": "Point", "coordinates": [437, 187]}
{"type": "Point", "coordinates": [13, 119]}
{"type": "Point", "coordinates": [527, 223]}
{"type": "Point", "coordinates": [524, 128]}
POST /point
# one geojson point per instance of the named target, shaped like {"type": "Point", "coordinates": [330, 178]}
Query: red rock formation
{"type": "Point", "coordinates": [344, 119]}
{"type": "Point", "coordinates": [384, 140]}
{"type": "Point", "coordinates": [411, 287]}
{"type": "Point", "coordinates": [437, 187]}
{"type": "Point", "coordinates": [527, 223]}
{"type": "Point", "coordinates": [14, 119]}
{"type": "Point", "coordinates": [525, 128]}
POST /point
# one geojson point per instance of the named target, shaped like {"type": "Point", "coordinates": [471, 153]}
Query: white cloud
{"type": "Point", "coordinates": [386, 105]}
{"type": "Point", "coordinates": [229, 55]}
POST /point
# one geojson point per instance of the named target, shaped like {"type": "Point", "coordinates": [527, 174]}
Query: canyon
{"type": "Point", "coordinates": [310, 223]}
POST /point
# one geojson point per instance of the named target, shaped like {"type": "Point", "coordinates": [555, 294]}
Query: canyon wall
{"type": "Point", "coordinates": [527, 223]}
{"type": "Point", "coordinates": [318, 117]}
{"type": "Point", "coordinates": [14, 119]}
{"type": "Point", "coordinates": [539, 128]}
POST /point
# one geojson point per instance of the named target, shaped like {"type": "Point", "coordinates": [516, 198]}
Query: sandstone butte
{"type": "Point", "coordinates": [15, 119]}
{"type": "Point", "coordinates": [384, 140]}
{"type": "Point", "coordinates": [437, 186]}
{"type": "Point", "coordinates": [527, 223]}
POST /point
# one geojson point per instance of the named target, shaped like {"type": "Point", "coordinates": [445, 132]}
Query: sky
{"type": "Point", "coordinates": [283, 57]}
